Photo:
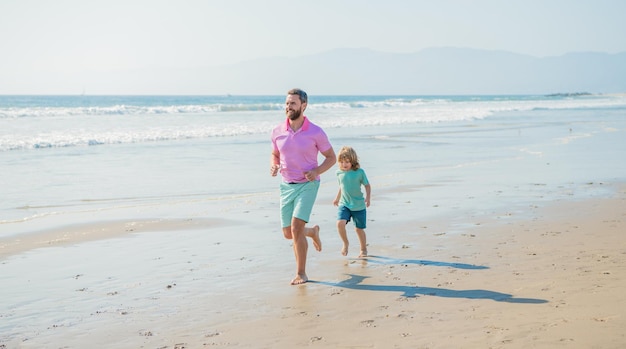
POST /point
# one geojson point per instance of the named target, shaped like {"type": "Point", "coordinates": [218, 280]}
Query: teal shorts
{"type": "Point", "coordinates": [360, 217]}
{"type": "Point", "coordinates": [296, 201]}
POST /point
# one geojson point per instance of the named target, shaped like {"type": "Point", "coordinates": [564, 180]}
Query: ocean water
{"type": "Point", "coordinates": [71, 158]}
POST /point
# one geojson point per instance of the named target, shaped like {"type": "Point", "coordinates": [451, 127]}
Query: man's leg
{"type": "Point", "coordinates": [300, 247]}
{"type": "Point", "coordinates": [303, 206]}
{"type": "Point", "coordinates": [314, 234]}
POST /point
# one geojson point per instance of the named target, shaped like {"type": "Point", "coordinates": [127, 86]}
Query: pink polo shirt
{"type": "Point", "coordinates": [298, 150]}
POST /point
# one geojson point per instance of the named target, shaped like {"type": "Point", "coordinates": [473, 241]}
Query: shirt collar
{"type": "Point", "coordinates": [305, 124]}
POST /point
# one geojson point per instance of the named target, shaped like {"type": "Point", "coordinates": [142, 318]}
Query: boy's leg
{"type": "Point", "coordinates": [343, 217]}
{"type": "Point", "coordinates": [360, 218]}
{"type": "Point", "coordinates": [341, 229]}
{"type": "Point", "coordinates": [362, 241]}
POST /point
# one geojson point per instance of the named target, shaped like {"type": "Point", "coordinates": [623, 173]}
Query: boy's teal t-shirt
{"type": "Point", "coordinates": [350, 183]}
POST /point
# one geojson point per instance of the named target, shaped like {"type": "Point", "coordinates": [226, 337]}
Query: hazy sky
{"type": "Point", "coordinates": [46, 43]}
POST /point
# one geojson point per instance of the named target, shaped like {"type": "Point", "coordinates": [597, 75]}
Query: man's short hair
{"type": "Point", "coordinates": [296, 91]}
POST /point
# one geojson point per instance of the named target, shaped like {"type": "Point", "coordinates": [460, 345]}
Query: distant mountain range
{"type": "Point", "coordinates": [433, 71]}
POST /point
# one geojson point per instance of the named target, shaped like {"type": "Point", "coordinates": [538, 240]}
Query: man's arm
{"type": "Point", "coordinates": [274, 163]}
{"type": "Point", "coordinates": [329, 161]}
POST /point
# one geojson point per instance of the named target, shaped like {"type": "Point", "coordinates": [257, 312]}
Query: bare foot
{"type": "Point", "coordinates": [363, 254]}
{"type": "Point", "coordinates": [344, 250]}
{"type": "Point", "coordinates": [316, 238]}
{"type": "Point", "coordinates": [299, 279]}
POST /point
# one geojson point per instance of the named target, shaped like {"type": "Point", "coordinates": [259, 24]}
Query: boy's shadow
{"type": "Point", "coordinates": [387, 260]}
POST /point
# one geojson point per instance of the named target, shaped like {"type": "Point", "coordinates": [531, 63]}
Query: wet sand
{"type": "Point", "coordinates": [551, 277]}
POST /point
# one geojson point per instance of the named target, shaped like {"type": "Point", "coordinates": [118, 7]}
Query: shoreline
{"type": "Point", "coordinates": [66, 235]}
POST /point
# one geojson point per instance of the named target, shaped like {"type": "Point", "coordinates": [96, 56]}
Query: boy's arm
{"type": "Point", "coordinates": [336, 202]}
{"type": "Point", "coordinates": [368, 192]}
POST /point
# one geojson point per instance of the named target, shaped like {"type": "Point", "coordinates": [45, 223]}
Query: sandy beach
{"type": "Point", "coordinates": [553, 277]}
{"type": "Point", "coordinates": [504, 231]}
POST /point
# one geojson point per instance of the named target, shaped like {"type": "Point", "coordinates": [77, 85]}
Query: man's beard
{"type": "Point", "coordinates": [294, 114]}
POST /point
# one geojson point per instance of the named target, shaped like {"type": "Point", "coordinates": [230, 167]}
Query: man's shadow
{"type": "Point", "coordinates": [354, 283]}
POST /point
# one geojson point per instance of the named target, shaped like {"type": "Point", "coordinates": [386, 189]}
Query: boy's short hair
{"type": "Point", "coordinates": [349, 154]}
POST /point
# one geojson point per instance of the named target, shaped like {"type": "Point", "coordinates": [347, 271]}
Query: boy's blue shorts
{"type": "Point", "coordinates": [296, 201]}
{"type": "Point", "coordinates": [359, 217]}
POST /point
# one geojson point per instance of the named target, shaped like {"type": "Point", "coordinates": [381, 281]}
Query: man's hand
{"type": "Point", "coordinates": [311, 175]}
{"type": "Point", "coordinates": [274, 169]}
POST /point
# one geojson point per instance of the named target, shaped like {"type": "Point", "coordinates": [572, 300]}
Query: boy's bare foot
{"type": "Point", "coordinates": [363, 254]}
{"type": "Point", "coordinates": [344, 250]}
{"type": "Point", "coordinates": [316, 238]}
{"type": "Point", "coordinates": [299, 279]}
